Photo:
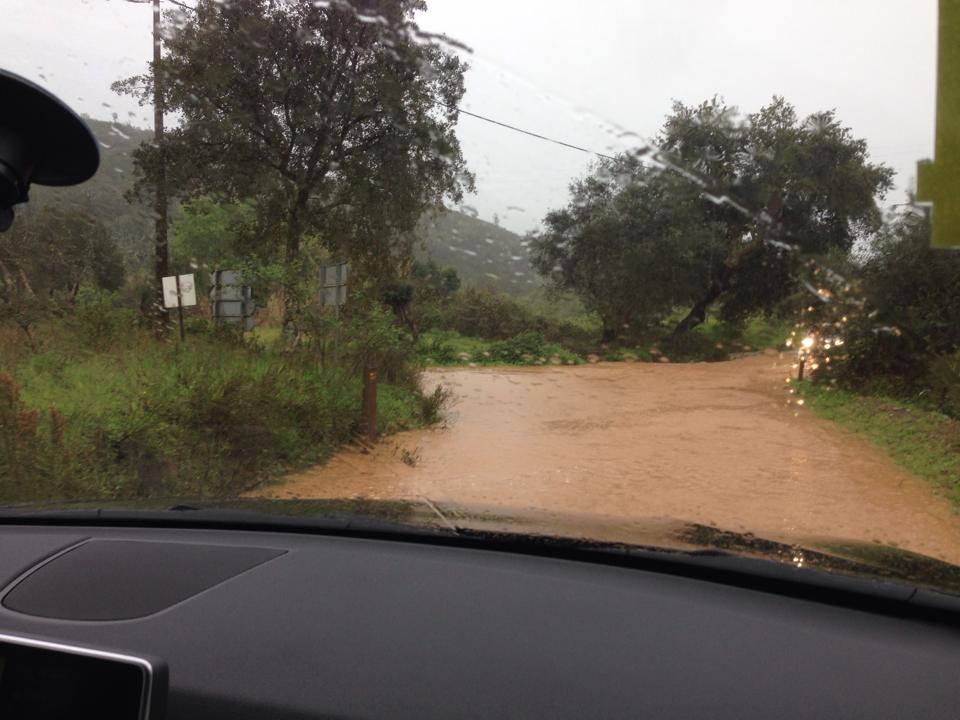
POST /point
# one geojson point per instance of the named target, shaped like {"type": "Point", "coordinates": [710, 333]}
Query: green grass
{"type": "Point", "coordinates": [924, 442]}
{"type": "Point", "coordinates": [450, 348]}
{"type": "Point", "coordinates": [711, 342]}
{"type": "Point", "coordinates": [129, 416]}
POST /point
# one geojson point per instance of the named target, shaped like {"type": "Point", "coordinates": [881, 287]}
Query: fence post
{"type": "Point", "coordinates": [369, 403]}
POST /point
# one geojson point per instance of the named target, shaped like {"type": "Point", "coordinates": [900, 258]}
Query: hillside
{"type": "Point", "coordinates": [481, 252]}
{"type": "Point", "coordinates": [103, 195]}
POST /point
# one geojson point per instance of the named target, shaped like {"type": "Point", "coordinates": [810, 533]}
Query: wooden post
{"type": "Point", "coordinates": [803, 360]}
{"type": "Point", "coordinates": [369, 403]}
{"type": "Point", "coordinates": [179, 306]}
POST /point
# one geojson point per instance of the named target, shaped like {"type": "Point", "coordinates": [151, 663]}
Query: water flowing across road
{"type": "Point", "coordinates": [712, 443]}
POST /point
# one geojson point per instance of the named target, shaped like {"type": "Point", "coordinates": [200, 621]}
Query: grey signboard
{"type": "Point", "coordinates": [333, 284]}
{"type": "Point", "coordinates": [231, 302]}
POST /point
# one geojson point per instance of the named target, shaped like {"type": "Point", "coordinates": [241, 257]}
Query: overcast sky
{"type": "Point", "coordinates": [596, 73]}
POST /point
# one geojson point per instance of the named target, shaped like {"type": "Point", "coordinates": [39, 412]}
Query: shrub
{"type": "Point", "coordinates": [487, 314]}
{"type": "Point", "coordinates": [432, 405]}
{"type": "Point", "coordinates": [207, 417]}
{"type": "Point", "coordinates": [943, 381]}
{"type": "Point", "coordinates": [30, 457]}
{"type": "Point", "coordinates": [521, 348]}
{"type": "Point", "coordinates": [97, 320]}
{"type": "Point", "coordinates": [435, 350]}
{"type": "Point", "coordinates": [904, 340]}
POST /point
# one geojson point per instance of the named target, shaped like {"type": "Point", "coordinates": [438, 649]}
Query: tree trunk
{"type": "Point", "coordinates": [698, 313]}
{"type": "Point", "coordinates": [291, 303]}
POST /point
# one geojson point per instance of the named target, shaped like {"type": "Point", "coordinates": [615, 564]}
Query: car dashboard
{"type": "Point", "coordinates": [151, 622]}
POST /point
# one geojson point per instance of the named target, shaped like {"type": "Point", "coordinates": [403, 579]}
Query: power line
{"type": "Point", "coordinates": [527, 132]}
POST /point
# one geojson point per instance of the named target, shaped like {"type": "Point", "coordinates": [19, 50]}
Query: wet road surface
{"type": "Point", "coordinates": [712, 443]}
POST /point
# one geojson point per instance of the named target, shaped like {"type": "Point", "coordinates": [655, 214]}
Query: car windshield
{"type": "Point", "coordinates": [663, 272]}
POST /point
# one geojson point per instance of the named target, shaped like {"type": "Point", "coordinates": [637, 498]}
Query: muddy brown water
{"type": "Point", "coordinates": [712, 443]}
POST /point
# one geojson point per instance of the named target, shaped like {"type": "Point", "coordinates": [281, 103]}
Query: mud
{"type": "Point", "coordinates": [713, 443]}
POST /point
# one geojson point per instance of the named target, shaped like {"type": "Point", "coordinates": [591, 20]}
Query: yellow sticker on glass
{"type": "Point", "coordinates": [938, 182]}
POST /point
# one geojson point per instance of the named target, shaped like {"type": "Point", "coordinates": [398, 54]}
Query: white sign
{"type": "Point", "coordinates": [187, 295]}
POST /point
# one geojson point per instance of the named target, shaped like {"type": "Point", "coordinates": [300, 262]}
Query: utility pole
{"type": "Point", "coordinates": [161, 252]}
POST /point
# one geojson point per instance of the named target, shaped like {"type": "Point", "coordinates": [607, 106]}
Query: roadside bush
{"type": "Point", "coordinates": [487, 314]}
{"type": "Point", "coordinates": [374, 339]}
{"type": "Point", "coordinates": [97, 320]}
{"type": "Point", "coordinates": [943, 381]}
{"type": "Point", "coordinates": [436, 351]}
{"type": "Point", "coordinates": [905, 340]}
{"type": "Point", "coordinates": [433, 404]}
{"type": "Point", "coordinates": [530, 348]}
{"type": "Point", "coordinates": [525, 347]}
{"type": "Point", "coordinates": [24, 451]}
{"type": "Point", "coordinates": [206, 417]}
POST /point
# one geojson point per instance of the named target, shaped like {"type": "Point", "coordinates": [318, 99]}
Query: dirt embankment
{"type": "Point", "coordinates": [709, 443]}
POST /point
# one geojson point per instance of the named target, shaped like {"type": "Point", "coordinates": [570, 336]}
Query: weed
{"type": "Point", "coordinates": [411, 458]}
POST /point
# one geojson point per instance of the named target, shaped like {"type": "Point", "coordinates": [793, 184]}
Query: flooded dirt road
{"type": "Point", "coordinates": [709, 443]}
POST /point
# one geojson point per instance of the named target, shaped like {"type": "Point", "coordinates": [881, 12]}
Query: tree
{"type": "Point", "coordinates": [46, 257]}
{"type": "Point", "coordinates": [723, 212]}
{"type": "Point", "coordinates": [909, 322]}
{"type": "Point", "coordinates": [328, 118]}
{"type": "Point", "coordinates": [807, 186]}
{"type": "Point", "coordinates": [54, 250]}
{"type": "Point", "coordinates": [630, 243]}
{"type": "Point", "coordinates": [213, 235]}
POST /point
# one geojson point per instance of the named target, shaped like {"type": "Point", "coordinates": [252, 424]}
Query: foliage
{"type": "Point", "coordinates": [807, 183]}
{"type": "Point", "coordinates": [98, 321]}
{"type": "Point", "coordinates": [134, 417]}
{"type": "Point", "coordinates": [327, 123]}
{"type": "Point", "coordinates": [481, 312]}
{"type": "Point", "coordinates": [29, 456]}
{"type": "Point", "coordinates": [725, 212]}
{"type": "Point", "coordinates": [448, 347]}
{"type": "Point", "coordinates": [629, 244]}
{"type": "Point", "coordinates": [376, 341]}
{"type": "Point", "coordinates": [211, 235]}
{"type": "Point", "coordinates": [528, 348]}
{"type": "Point", "coordinates": [433, 282]}
{"type": "Point", "coordinates": [54, 250]}
{"type": "Point", "coordinates": [46, 258]}
{"type": "Point", "coordinates": [906, 337]}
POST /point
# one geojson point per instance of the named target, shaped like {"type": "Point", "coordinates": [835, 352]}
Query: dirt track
{"type": "Point", "coordinates": [710, 443]}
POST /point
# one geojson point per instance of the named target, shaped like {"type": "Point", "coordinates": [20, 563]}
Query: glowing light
{"type": "Point", "coordinates": [808, 342]}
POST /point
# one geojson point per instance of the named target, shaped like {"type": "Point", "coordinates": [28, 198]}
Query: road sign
{"type": "Point", "coordinates": [333, 284]}
{"type": "Point", "coordinates": [230, 300]}
{"type": "Point", "coordinates": [179, 291]}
